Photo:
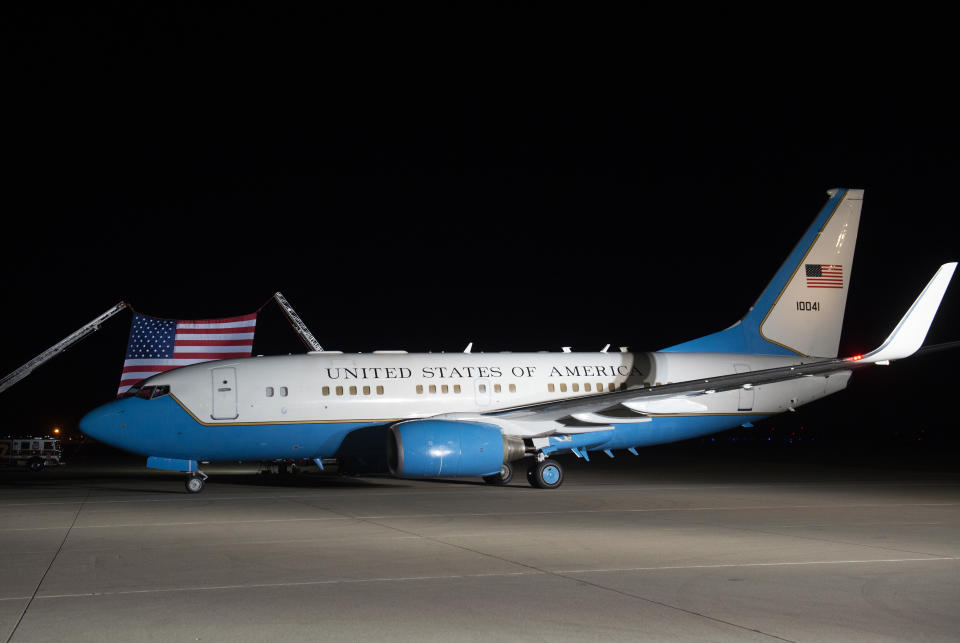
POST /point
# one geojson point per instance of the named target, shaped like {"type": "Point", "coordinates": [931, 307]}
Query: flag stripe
{"type": "Point", "coordinates": [200, 330]}
{"type": "Point", "coordinates": [213, 342]}
{"type": "Point", "coordinates": [186, 351]}
{"type": "Point", "coordinates": [201, 333]}
{"type": "Point", "coordinates": [168, 361]}
{"type": "Point", "coordinates": [209, 356]}
{"type": "Point", "coordinates": [211, 324]}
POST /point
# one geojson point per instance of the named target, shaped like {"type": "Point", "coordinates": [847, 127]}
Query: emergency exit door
{"type": "Point", "coordinates": [224, 382]}
{"type": "Point", "coordinates": [481, 388]}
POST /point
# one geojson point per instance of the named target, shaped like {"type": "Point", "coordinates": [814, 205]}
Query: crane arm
{"type": "Point", "coordinates": [305, 335]}
{"type": "Point", "coordinates": [47, 355]}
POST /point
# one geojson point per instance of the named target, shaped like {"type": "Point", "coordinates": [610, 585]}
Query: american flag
{"type": "Point", "coordinates": [157, 345]}
{"type": "Point", "coordinates": [824, 275]}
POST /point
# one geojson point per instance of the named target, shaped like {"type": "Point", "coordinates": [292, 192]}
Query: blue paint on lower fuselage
{"type": "Point", "coordinates": [163, 428]}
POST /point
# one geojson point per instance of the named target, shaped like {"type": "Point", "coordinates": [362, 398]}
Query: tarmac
{"type": "Point", "coordinates": [676, 544]}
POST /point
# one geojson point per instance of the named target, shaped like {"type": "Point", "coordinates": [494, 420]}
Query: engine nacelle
{"type": "Point", "coordinates": [448, 448]}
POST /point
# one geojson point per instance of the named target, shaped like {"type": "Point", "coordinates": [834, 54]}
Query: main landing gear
{"type": "Point", "coordinates": [546, 474]}
{"type": "Point", "coordinates": [196, 482]}
{"type": "Point", "coordinates": [542, 474]}
{"type": "Point", "coordinates": [502, 478]}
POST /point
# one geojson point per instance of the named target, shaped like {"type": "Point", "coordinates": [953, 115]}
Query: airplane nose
{"type": "Point", "coordinates": [102, 422]}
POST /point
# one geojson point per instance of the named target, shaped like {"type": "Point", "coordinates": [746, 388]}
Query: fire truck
{"type": "Point", "coordinates": [33, 453]}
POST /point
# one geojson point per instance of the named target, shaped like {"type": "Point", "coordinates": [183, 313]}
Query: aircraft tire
{"type": "Point", "coordinates": [195, 484]}
{"type": "Point", "coordinates": [545, 475]}
{"type": "Point", "coordinates": [502, 478]}
{"type": "Point", "coordinates": [35, 464]}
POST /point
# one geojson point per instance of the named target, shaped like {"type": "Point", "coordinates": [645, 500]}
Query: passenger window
{"type": "Point", "coordinates": [366, 390]}
{"type": "Point", "coordinates": [283, 391]}
{"type": "Point", "coordinates": [551, 388]}
{"type": "Point", "coordinates": [563, 388]}
{"type": "Point", "coordinates": [612, 387]}
{"type": "Point", "coordinates": [269, 391]}
{"type": "Point", "coordinates": [456, 388]}
{"type": "Point", "coordinates": [433, 388]}
{"type": "Point", "coordinates": [444, 389]}
{"type": "Point", "coordinates": [599, 387]}
{"type": "Point", "coordinates": [586, 387]}
{"type": "Point", "coordinates": [339, 390]}
{"type": "Point", "coordinates": [326, 390]}
{"type": "Point", "coordinates": [496, 388]}
{"type": "Point", "coordinates": [513, 388]}
{"type": "Point", "coordinates": [353, 390]}
{"type": "Point", "coordinates": [482, 388]}
{"type": "Point", "coordinates": [419, 389]}
{"type": "Point", "coordinates": [575, 387]}
{"type": "Point", "coordinates": [379, 390]}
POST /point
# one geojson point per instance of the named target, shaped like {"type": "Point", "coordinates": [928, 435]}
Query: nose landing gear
{"type": "Point", "coordinates": [196, 481]}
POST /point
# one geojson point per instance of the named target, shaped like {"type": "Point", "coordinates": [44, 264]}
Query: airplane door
{"type": "Point", "coordinates": [747, 395]}
{"type": "Point", "coordinates": [224, 382]}
{"type": "Point", "coordinates": [481, 388]}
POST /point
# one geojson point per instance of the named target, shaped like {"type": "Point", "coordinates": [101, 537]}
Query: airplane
{"type": "Point", "coordinates": [471, 414]}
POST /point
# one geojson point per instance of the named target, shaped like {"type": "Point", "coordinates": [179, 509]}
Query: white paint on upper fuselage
{"type": "Point", "coordinates": [335, 387]}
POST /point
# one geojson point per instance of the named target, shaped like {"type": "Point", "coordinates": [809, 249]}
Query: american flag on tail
{"type": "Point", "coordinates": [824, 275]}
{"type": "Point", "coordinates": [157, 345]}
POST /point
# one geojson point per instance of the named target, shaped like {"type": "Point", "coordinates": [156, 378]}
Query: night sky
{"type": "Point", "coordinates": [418, 182]}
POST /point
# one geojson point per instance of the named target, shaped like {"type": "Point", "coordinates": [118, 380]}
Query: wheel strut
{"type": "Point", "coordinates": [196, 481]}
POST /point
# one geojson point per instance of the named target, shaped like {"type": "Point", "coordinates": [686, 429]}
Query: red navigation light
{"type": "Point", "coordinates": [856, 358]}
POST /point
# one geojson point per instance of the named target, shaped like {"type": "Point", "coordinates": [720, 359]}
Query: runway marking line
{"type": "Point", "coordinates": [456, 489]}
{"type": "Point", "coordinates": [499, 513]}
{"type": "Point", "coordinates": [777, 564]}
{"type": "Point", "coordinates": [394, 579]}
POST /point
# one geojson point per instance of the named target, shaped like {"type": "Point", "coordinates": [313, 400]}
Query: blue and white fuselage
{"type": "Point", "coordinates": [302, 406]}
{"type": "Point", "coordinates": [472, 414]}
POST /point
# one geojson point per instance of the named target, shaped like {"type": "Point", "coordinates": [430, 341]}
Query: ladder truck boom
{"type": "Point", "coordinates": [47, 355]}
{"type": "Point", "coordinates": [305, 335]}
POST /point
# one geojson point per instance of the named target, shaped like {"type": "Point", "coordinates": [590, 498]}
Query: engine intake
{"type": "Point", "coordinates": [449, 448]}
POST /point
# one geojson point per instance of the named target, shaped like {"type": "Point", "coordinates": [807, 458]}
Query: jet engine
{"type": "Point", "coordinates": [449, 448]}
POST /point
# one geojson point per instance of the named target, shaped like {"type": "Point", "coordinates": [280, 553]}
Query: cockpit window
{"type": "Point", "coordinates": [147, 392]}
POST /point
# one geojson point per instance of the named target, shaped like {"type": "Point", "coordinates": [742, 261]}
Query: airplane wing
{"type": "Point", "coordinates": [594, 413]}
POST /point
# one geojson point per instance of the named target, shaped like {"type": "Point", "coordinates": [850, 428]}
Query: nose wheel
{"type": "Point", "coordinates": [545, 475]}
{"type": "Point", "coordinates": [196, 482]}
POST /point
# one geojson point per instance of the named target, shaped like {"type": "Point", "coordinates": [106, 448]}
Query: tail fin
{"type": "Point", "coordinates": [800, 312]}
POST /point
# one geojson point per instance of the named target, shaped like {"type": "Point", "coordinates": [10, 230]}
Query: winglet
{"type": "Point", "coordinates": [909, 334]}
